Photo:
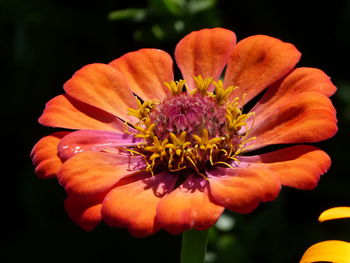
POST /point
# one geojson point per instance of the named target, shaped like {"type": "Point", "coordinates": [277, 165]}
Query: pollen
{"type": "Point", "coordinates": [191, 131]}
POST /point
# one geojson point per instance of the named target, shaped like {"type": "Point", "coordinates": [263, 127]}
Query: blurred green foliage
{"type": "Point", "coordinates": [43, 42]}
{"type": "Point", "coordinates": [166, 20]}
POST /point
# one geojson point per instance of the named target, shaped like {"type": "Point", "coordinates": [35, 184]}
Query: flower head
{"type": "Point", "coordinates": [147, 152]}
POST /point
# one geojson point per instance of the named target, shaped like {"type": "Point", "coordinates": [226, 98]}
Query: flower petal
{"type": "Point", "coordinates": [95, 172]}
{"type": "Point", "coordinates": [204, 52]}
{"type": "Point", "coordinates": [257, 62]}
{"type": "Point", "coordinates": [84, 212]}
{"type": "Point", "coordinates": [45, 157]}
{"type": "Point", "coordinates": [146, 70]}
{"type": "Point", "coordinates": [299, 81]}
{"type": "Point", "coordinates": [103, 87]}
{"type": "Point", "coordinates": [66, 112]}
{"type": "Point", "coordinates": [91, 140]}
{"type": "Point", "coordinates": [133, 205]}
{"type": "Point", "coordinates": [298, 166]}
{"type": "Point", "coordinates": [242, 189]}
{"type": "Point", "coordinates": [308, 117]}
{"type": "Point", "coordinates": [335, 213]}
{"type": "Point", "coordinates": [328, 251]}
{"type": "Point", "coordinates": [188, 206]}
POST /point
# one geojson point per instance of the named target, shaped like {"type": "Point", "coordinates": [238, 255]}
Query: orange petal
{"type": "Point", "coordinates": [91, 140]}
{"type": "Point", "coordinates": [84, 212]}
{"type": "Point", "coordinates": [299, 81]}
{"type": "Point", "coordinates": [44, 155]}
{"type": "Point", "coordinates": [146, 70]}
{"type": "Point", "coordinates": [335, 213]}
{"type": "Point", "coordinates": [242, 189]}
{"type": "Point", "coordinates": [257, 62]}
{"type": "Point", "coordinates": [133, 205]}
{"type": "Point", "coordinates": [66, 112]}
{"type": "Point", "coordinates": [307, 117]}
{"type": "Point", "coordinates": [188, 206]}
{"type": "Point", "coordinates": [328, 251]}
{"type": "Point", "coordinates": [95, 172]}
{"type": "Point", "coordinates": [103, 87]}
{"type": "Point", "coordinates": [298, 166]}
{"type": "Point", "coordinates": [205, 53]}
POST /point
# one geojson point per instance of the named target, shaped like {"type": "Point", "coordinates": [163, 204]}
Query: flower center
{"type": "Point", "coordinates": [188, 113]}
{"type": "Point", "coordinates": [191, 131]}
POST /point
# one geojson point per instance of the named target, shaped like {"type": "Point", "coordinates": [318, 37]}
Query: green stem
{"type": "Point", "coordinates": [194, 246]}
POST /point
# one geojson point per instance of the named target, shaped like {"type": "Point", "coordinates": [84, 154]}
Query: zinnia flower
{"type": "Point", "coordinates": [152, 153]}
{"type": "Point", "coordinates": [335, 251]}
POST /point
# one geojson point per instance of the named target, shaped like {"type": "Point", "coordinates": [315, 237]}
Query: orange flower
{"type": "Point", "coordinates": [331, 250]}
{"type": "Point", "coordinates": [177, 154]}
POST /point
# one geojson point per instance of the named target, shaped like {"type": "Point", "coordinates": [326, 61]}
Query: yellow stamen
{"type": "Point", "coordinates": [175, 87]}
{"type": "Point", "coordinates": [204, 143]}
{"type": "Point", "coordinates": [202, 85]}
{"type": "Point", "coordinates": [222, 94]}
{"type": "Point", "coordinates": [143, 109]}
{"type": "Point", "coordinates": [158, 149]}
{"type": "Point", "coordinates": [179, 144]}
{"type": "Point", "coordinates": [147, 131]}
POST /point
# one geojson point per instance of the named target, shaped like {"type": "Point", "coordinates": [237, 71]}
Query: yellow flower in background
{"type": "Point", "coordinates": [335, 213]}
{"type": "Point", "coordinates": [335, 251]}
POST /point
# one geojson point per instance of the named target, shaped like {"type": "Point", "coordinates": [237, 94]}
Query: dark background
{"type": "Point", "coordinates": [43, 42]}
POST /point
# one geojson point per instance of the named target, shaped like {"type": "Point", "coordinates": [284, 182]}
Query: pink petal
{"type": "Point", "coordinates": [91, 140]}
